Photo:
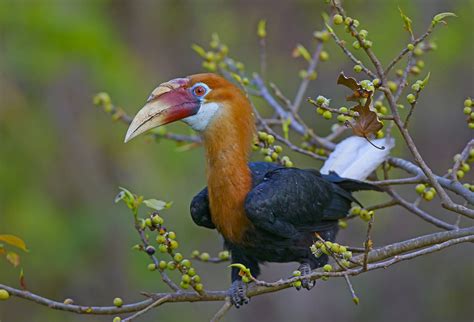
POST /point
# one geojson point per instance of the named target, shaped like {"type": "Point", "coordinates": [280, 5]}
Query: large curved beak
{"type": "Point", "coordinates": [169, 102]}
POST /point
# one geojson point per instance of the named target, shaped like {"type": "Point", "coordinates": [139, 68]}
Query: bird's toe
{"type": "Point", "coordinates": [237, 293]}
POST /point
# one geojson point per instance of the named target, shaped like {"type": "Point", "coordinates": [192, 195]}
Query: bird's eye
{"type": "Point", "coordinates": [199, 91]}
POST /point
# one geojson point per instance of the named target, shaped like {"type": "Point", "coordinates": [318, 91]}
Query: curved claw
{"type": "Point", "coordinates": [237, 293]}
{"type": "Point", "coordinates": [306, 283]}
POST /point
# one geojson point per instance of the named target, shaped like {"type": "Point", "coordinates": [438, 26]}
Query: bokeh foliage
{"type": "Point", "coordinates": [61, 160]}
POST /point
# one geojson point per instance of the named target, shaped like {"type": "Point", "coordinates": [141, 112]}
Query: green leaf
{"type": "Point", "coordinates": [303, 52]}
{"type": "Point", "coordinates": [440, 16]}
{"type": "Point", "coordinates": [286, 128]}
{"type": "Point", "coordinates": [127, 197]}
{"type": "Point", "coordinates": [262, 29]}
{"type": "Point", "coordinates": [199, 50]}
{"type": "Point", "coordinates": [13, 258]}
{"type": "Point", "coordinates": [425, 81]}
{"type": "Point", "coordinates": [406, 21]}
{"type": "Point", "coordinates": [156, 204]}
{"type": "Point", "coordinates": [14, 241]}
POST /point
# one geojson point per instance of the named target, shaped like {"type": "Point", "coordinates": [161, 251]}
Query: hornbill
{"type": "Point", "coordinates": [265, 212]}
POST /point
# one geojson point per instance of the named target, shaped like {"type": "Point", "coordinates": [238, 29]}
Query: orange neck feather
{"type": "Point", "coordinates": [227, 142]}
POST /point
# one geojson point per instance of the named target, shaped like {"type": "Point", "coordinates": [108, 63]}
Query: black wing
{"type": "Point", "coordinates": [200, 211]}
{"type": "Point", "coordinates": [290, 200]}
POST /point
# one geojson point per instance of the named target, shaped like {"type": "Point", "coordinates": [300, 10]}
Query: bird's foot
{"type": "Point", "coordinates": [306, 283]}
{"type": "Point", "coordinates": [237, 293]}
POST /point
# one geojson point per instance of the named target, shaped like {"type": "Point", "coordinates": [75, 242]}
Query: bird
{"type": "Point", "coordinates": [265, 212]}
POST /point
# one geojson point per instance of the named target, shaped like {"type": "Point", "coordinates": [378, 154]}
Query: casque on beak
{"type": "Point", "coordinates": [169, 102]}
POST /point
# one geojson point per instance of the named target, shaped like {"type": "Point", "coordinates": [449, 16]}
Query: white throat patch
{"type": "Point", "coordinates": [200, 121]}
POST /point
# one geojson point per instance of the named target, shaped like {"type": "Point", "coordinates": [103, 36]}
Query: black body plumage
{"type": "Point", "coordinates": [286, 207]}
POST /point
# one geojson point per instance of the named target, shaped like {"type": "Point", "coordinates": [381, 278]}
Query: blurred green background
{"type": "Point", "coordinates": [62, 159]}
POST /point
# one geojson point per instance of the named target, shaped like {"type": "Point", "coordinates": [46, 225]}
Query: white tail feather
{"type": "Point", "coordinates": [355, 158]}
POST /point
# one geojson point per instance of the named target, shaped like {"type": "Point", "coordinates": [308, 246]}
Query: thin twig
{"type": "Point", "coordinates": [222, 311]}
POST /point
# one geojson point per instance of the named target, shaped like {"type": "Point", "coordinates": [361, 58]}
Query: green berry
{"type": "Point", "coordinates": [355, 210]}
{"type": "Point", "coordinates": [347, 254]}
{"type": "Point", "coordinates": [4, 295]}
{"type": "Point", "coordinates": [186, 278]}
{"type": "Point", "coordinates": [117, 319]}
{"type": "Point", "coordinates": [428, 195]}
{"type": "Point", "coordinates": [160, 239]}
{"type": "Point", "coordinates": [296, 273]}
{"type": "Point", "coordinates": [191, 271]}
{"type": "Point", "coordinates": [348, 21]}
{"type": "Point", "coordinates": [392, 86]}
{"type": "Point", "coordinates": [204, 257]}
{"type": "Point", "coordinates": [186, 263]}
{"type": "Point", "coordinates": [323, 55]}
{"type": "Point", "coordinates": [324, 278]}
{"type": "Point", "coordinates": [172, 235]}
{"type": "Point", "coordinates": [471, 125]}
{"type": "Point", "coordinates": [174, 244]}
{"type": "Point", "coordinates": [320, 100]}
{"type": "Point", "coordinates": [262, 136]}
{"type": "Point", "coordinates": [337, 19]}
{"type": "Point", "coordinates": [465, 167]}
{"type": "Point", "coordinates": [151, 267]}
{"type": "Point", "coordinates": [342, 224]}
{"type": "Point", "coordinates": [157, 220]}
{"type": "Point", "coordinates": [341, 118]}
{"type": "Point", "coordinates": [278, 148]}
{"type": "Point", "coordinates": [268, 159]}
{"type": "Point", "coordinates": [118, 302]}
{"type": "Point", "coordinates": [467, 110]}
{"type": "Point", "coordinates": [199, 287]}
{"type": "Point", "coordinates": [148, 222]}
{"type": "Point", "coordinates": [460, 174]}
{"type": "Point", "coordinates": [356, 44]}
{"type": "Point", "coordinates": [363, 33]}
{"type": "Point", "coordinates": [345, 262]}
{"type": "Point", "coordinates": [320, 110]}
{"type": "Point", "coordinates": [468, 102]}
{"type": "Point", "coordinates": [420, 64]}
{"type": "Point", "coordinates": [162, 264]}
{"type": "Point", "coordinates": [270, 139]}
{"type": "Point", "coordinates": [171, 265]}
{"type": "Point", "coordinates": [420, 188]}
{"type": "Point", "coordinates": [416, 87]}
{"type": "Point", "coordinates": [196, 278]}
{"type": "Point", "coordinates": [183, 285]}
{"type": "Point", "coordinates": [162, 248]}
{"type": "Point", "coordinates": [178, 257]}
{"type": "Point", "coordinates": [224, 255]}
{"type": "Point", "coordinates": [367, 44]}
{"type": "Point", "coordinates": [357, 68]}
{"type": "Point", "coordinates": [343, 109]}
{"type": "Point", "coordinates": [327, 115]}
{"type": "Point", "coordinates": [410, 47]}
{"type": "Point", "coordinates": [411, 98]}
{"type": "Point", "coordinates": [297, 284]}
{"type": "Point", "coordinates": [327, 268]}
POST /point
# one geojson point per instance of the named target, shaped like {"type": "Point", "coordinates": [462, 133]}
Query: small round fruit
{"type": "Point", "coordinates": [186, 278]}
{"type": "Point", "coordinates": [171, 265]}
{"type": "Point", "coordinates": [118, 302]}
{"type": "Point", "coordinates": [174, 244]}
{"type": "Point", "coordinates": [428, 195]}
{"type": "Point", "coordinates": [163, 248]}
{"type": "Point", "coordinates": [157, 220]}
{"type": "Point", "coordinates": [224, 255]}
{"type": "Point", "coordinates": [296, 273]}
{"type": "Point", "coordinates": [357, 68]}
{"type": "Point", "coordinates": [205, 257]}
{"type": "Point", "coordinates": [327, 115]}
{"type": "Point", "coordinates": [468, 102]}
{"type": "Point", "coordinates": [420, 188]}
{"type": "Point", "coordinates": [196, 278]}
{"type": "Point", "coordinates": [150, 250]}
{"type": "Point", "coordinates": [199, 287]}
{"type": "Point", "coordinates": [184, 286]}
{"type": "Point", "coordinates": [186, 263]}
{"type": "Point", "coordinates": [245, 279]}
{"type": "Point", "coordinates": [162, 265]}
{"type": "Point", "coordinates": [160, 239]}
{"type": "Point", "coordinates": [337, 19]}
{"type": "Point", "coordinates": [297, 284]}
{"type": "Point", "coordinates": [327, 268]}
{"type": "Point", "coordinates": [411, 98]}
{"type": "Point", "coordinates": [117, 319]}
{"type": "Point", "coordinates": [4, 295]}
{"type": "Point", "coordinates": [191, 271]}
{"type": "Point", "coordinates": [151, 267]}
